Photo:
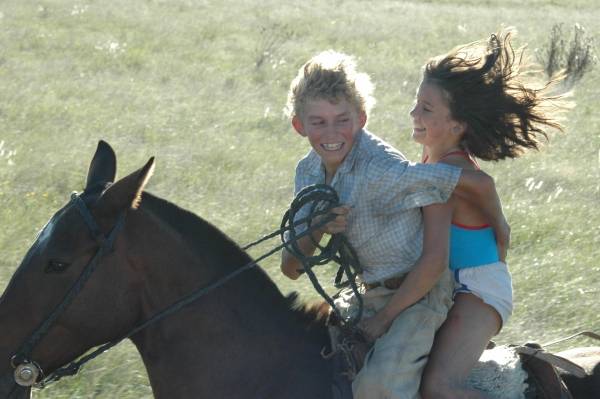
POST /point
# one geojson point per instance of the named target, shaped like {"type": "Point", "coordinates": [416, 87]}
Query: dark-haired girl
{"type": "Point", "coordinates": [474, 102]}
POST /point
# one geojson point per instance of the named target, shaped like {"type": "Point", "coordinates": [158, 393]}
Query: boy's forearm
{"type": "Point", "coordinates": [416, 285]}
{"type": "Point", "coordinates": [290, 265]}
{"type": "Point", "coordinates": [431, 264]}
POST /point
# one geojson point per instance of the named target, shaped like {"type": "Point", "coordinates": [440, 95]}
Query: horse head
{"type": "Point", "coordinates": [114, 259]}
{"type": "Point", "coordinates": [45, 310]}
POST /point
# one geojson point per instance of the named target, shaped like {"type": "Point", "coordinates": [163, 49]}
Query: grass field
{"type": "Point", "coordinates": [201, 85]}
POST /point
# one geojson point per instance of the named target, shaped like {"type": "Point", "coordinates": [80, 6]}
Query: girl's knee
{"type": "Point", "coordinates": [436, 387]}
{"type": "Point", "coordinates": [432, 391]}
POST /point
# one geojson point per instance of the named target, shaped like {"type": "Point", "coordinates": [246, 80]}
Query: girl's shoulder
{"type": "Point", "coordinates": [460, 159]}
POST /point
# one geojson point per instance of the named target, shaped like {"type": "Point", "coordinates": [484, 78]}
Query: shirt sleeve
{"type": "Point", "coordinates": [399, 185]}
{"type": "Point", "coordinates": [300, 182]}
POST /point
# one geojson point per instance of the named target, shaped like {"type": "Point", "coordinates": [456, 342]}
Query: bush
{"type": "Point", "coordinates": [573, 58]}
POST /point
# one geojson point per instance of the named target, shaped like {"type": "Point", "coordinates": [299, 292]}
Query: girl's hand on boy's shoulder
{"type": "Point", "coordinates": [340, 223]}
{"type": "Point", "coordinates": [502, 233]}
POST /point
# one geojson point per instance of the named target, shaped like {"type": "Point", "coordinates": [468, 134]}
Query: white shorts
{"type": "Point", "coordinates": [492, 283]}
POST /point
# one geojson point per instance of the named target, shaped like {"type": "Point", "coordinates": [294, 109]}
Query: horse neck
{"type": "Point", "coordinates": [215, 348]}
{"type": "Point", "coordinates": [242, 331]}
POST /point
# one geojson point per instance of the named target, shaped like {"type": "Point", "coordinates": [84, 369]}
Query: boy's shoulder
{"type": "Point", "coordinates": [371, 153]}
{"type": "Point", "coordinates": [379, 153]}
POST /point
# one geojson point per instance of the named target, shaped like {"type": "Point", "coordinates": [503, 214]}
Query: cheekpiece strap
{"type": "Point", "coordinates": [87, 217]}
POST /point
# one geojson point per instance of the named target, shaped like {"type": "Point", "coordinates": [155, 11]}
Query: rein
{"type": "Point", "coordinates": [321, 198]}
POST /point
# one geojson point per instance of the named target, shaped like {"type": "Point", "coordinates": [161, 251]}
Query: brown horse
{"type": "Point", "coordinates": [113, 257]}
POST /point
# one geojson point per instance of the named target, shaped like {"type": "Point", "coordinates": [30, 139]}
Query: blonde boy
{"type": "Point", "coordinates": [402, 249]}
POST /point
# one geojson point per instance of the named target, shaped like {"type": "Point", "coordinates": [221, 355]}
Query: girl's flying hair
{"type": "Point", "coordinates": [486, 90]}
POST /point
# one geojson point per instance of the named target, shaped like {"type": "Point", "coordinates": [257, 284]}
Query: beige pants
{"type": "Point", "coordinates": [394, 365]}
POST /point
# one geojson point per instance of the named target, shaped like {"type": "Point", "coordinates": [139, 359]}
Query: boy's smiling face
{"type": "Point", "coordinates": [331, 129]}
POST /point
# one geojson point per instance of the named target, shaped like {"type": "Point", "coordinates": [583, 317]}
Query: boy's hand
{"type": "Point", "coordinates": [339, 224]}
{"type": "Point", "coordinates": [374, 327]}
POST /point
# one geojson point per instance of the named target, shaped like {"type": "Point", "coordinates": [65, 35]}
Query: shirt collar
{"type": "Point", "coordinates": [350, 159]}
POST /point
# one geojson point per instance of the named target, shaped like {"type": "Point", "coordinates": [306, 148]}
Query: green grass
{"type": "Point", "coordinates": [179, 80]}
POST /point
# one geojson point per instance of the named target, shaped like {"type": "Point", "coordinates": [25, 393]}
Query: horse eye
{"type": "Point", "coordinates": [56, 266]}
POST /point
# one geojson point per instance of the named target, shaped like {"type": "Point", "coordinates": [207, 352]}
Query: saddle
{"type": "Point", "coordinates": [541, 367]}
{"type": "Point", "coordinates": [348, 351]}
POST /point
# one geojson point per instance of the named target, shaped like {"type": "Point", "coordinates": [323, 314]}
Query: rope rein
{"type": "Point", "coordinates": [323, 198]}
{"type": "Point", "coordinates": [320, 198]}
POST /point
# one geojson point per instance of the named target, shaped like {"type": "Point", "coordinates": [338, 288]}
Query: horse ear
{"type": "Point", "coordinates": [103, 167]}
{"type": "Point", "coordinates": [127, 192]}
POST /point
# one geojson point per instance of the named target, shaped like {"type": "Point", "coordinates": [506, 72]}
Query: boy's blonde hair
{"type": "Point", "coordinates": [331, 76]}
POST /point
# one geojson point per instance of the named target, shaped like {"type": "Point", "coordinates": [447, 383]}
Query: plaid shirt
{"type": "Point", "coordinates": [386, 191]}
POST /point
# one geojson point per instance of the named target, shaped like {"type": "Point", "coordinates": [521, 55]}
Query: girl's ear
{"type": "Point", "coordinates": [459, 128]}
{"type": "Point", "coordinates": [298, 126]}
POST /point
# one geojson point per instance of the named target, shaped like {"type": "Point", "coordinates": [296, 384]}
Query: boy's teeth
{"type": "Point", "coordinates": [332, 147]}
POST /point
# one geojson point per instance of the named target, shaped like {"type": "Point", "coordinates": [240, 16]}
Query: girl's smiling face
{"type": "Point", "coordinates": [433, 124]}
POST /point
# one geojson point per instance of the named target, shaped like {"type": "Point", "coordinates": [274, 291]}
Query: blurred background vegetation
{"type": "Point", "coordinates": [201, 85]}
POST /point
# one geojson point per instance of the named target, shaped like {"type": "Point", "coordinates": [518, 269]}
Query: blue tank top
{"type": "Point", "coordinates": [472, 246]}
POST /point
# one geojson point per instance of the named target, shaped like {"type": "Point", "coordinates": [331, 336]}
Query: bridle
{"type": "Point", "coordinates": [28, 372]}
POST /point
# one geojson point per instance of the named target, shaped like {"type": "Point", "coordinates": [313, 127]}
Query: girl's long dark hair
{"type": "Point", "coordinates": [487, 92]}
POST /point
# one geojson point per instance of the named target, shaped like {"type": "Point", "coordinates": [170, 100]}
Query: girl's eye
{"type": "Point", "coordinates": [56, 266]}
{"type": "Point", "coordinates": [426, 109]}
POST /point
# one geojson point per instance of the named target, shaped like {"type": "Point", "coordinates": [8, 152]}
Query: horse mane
{"type": "Point", "coordinates": [313, 315]}
{"type": "Point", "coordinates": [199, 234]}
{"type": "Point", "coordinates": [208, 240]}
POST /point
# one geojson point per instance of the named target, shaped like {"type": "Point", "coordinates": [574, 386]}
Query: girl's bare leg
{"type": "Point", "coordinates": [458, 345]}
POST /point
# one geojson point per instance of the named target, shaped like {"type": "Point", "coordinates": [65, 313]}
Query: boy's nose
{"type": "Point", "coordinates": [331, 129]}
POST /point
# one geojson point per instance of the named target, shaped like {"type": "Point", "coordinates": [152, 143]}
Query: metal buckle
{"type": "Point", "coordinates": [27, 373]}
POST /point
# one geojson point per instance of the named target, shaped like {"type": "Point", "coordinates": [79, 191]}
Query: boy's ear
{"type": "Point", "coordinates": [362, 119]}
{"type": "Point", "coordinates": [298, 126]}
